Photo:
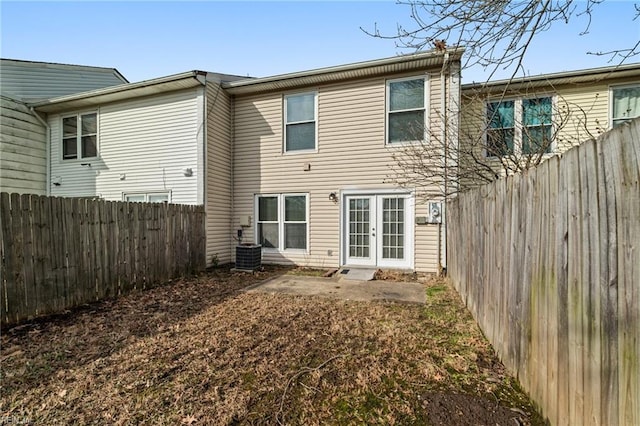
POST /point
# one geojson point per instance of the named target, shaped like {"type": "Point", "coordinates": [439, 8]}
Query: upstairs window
{"type": "Point", "coordinates": [501, 128]}
{"type": "Point", "coordinates": [80, 136]}
{"type": "Point", "coordinates": [626, 104]}
{"type": "Point", "coordinates": [300, 117]}
{"type": "Point", "coordinates": [282, 221]}
{"type": "Point", "coordinates": [406, 110]}
{"type": "Point", "coordinates": [519, 126]}
{"type": "Point", "coordinates": [537, 127]}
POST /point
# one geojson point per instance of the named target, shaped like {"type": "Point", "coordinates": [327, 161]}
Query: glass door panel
{"type": "Point", "coordinates": [360, 231]}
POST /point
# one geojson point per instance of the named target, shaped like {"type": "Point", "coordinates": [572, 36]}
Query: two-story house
{"type": "Point", "coordinates": [312, 152]}
{"type": "Point", "coordinates": [297, 162]}
{"type": "Point", "coordinates": [24, 166]}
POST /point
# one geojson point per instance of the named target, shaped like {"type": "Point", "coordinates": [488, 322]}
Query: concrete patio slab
{"type": "Point", "coordinates": [403, 292]}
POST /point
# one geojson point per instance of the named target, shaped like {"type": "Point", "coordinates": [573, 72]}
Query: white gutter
{"type": "Point", "coordinates": [588, 75]}
{"type": "Point", "coordinates": [358, 70]}
{"type": "Point", "coordinates": [47, 148]}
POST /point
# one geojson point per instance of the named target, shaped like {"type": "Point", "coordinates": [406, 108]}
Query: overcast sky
{"type": "Point", "coordinates": [148, 39]}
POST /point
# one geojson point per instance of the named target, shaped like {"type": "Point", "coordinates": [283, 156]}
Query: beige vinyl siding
{"type": "Point", "coordinates": [144, 146]}
{"type": "Point", "coordinates": [218, 174]}
{"type": "Point", "coordinates": [585, 113]}
{"type": "Point", "coordinates": [590, 111]}
{"type": "Point", "coordinates": [351, 154]}
{"type": "Point", "coordinates": [23, 166]}
{"type": "Point", "coordinates": [30, 81]}
{"type": "Point", "coordinates": [472, 130]}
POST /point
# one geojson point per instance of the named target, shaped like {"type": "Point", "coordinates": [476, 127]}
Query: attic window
{"type": "Point", "coordinates": [80, 136]}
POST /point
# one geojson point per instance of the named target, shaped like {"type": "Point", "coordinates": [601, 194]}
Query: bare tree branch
{"type": "Point", "coordinates": [495, 33]}
{"type": "Point", "coordinates": [498, 141]}
{"type": "Point", "coordinates": [488, 148]}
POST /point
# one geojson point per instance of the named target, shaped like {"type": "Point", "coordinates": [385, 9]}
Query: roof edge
{"type": "Point", "coordinates": [454, 53]}
{"type": "Point", "coordinates": [557, 77]}
{"type": "Point", "coordinates": [61, 65]}
{"type": "Point", "coordinates": [195, 74]}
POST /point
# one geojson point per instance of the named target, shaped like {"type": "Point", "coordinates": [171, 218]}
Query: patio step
{"type": "Point", "coordinates": [356, 274]}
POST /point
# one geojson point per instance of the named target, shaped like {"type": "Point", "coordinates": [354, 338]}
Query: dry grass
{"type": "Point", "coordinates": [201, 352]}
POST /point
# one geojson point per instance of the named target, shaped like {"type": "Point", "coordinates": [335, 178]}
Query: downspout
{"type": "Point", "coordinates": [47, 144]}
{"type": "Point", "coordinates": [205, 144]}
{"type": "Point", "coordinates": [442, 229]}
{"type": "Point", "coordinates": [201, 77]}
{"type": "Point", "coordinates": [232, 136]}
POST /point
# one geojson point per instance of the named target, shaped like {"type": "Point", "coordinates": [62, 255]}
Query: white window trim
{"type": "Point", "coordinates": [281, 221]}
{"type": "Point", "coordinates": [146, 195]}
{"type": "Point", "coordinates": [611, 89]}
{"type": "Point", "coordinates": [79, 157]}
{"type": "Point", "coordinates": [518, 125]}
{"type": "Point", "coordinates": [285, 123]}
{"type": "Point", "coordinates": [425, 137]}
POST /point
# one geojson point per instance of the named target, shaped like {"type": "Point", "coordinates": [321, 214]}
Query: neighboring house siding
{"type": "Point", "coordinates": [30, 81]}
{"type": "Point", "coordinates": [590, 107]}
{"type": "Point", "coordinates": [144, 146]}
{"type": "Point", "coordinates": [351, 155]}
{"type": "Point", "coordinates": [583, 109]}
{"type": "Point", "coordinates": [588, 114]}
{"type": "Point", "coordinates": [218, 175]}
{"type": "Point", "coordinates": [22, 149]}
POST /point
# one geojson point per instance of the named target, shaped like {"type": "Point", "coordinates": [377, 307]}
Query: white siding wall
{"type": "Point", "coordinates": [38, 80]}
{"type": "Point", "coordinates": [148, 141]}
{"type": "Point", "coordinates": [22, 150]}
{"type": "Point", "coordinates": [351, 155]}
{"type": "Point", "coordinates": [218, 173]}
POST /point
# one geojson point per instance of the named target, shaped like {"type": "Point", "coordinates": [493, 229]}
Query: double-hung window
{"type": "Point", "coordinates": [520, 126]}
{"type": "Point", "coordinates": [300, 118]}
{"type": "Point", "coordinates": [80, 136]}
{"type": "Point", "coordinates": [282, 221]}
{"type": "Point", "coordinates": [406, 106]}
{"type": "Point", "coordinates": [501, 128]}
{"type": "Point", "coordinates": [536, 125]}
{"type": "Point", "coordinates": [625, 104]}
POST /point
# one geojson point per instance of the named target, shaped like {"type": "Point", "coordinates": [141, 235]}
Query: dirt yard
{"type": "Point", "coordinates": [201, 352]}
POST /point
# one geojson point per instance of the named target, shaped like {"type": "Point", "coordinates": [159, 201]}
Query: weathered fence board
{"type": "Point", "coordinates": [556, 287]}
{"type": "Point", "coordinates": [62, 252]}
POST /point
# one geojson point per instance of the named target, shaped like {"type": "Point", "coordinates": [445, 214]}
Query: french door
{"type": "Point", "coordinates": [378, 230]}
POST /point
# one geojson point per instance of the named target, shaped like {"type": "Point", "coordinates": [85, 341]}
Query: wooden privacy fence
{"type": "Point", "coordinates": [62, 252]}
{"type": "Point", "coordinates": [548, 262]}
